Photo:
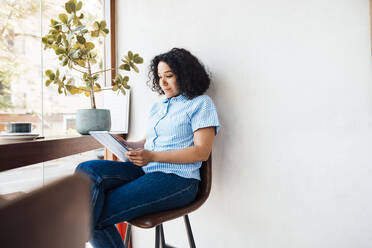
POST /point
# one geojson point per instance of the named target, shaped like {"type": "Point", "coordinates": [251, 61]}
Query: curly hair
{"type": "Point", "coordinates": [191, 76]}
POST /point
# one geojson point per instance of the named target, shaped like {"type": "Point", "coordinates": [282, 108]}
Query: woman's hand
{"type": "Point", "coordinates": [139, 157]}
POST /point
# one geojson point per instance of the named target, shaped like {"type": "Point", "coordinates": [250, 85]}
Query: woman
{"type": "Point", "coordinates": [163, 169]}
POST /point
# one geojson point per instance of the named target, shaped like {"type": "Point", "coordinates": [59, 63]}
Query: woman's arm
{"type": "Point", "coordinates": [200, 151]}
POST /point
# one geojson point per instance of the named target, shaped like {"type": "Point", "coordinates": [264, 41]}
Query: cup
{"type": "Point", "coordinates": [19, 127]}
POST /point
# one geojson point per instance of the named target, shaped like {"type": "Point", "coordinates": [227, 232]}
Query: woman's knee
{"type": "Point", "coordinates": [86, 167]}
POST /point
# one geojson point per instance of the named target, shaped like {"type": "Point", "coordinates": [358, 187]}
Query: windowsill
{"type": "Point", "coordinates": [15, 154]}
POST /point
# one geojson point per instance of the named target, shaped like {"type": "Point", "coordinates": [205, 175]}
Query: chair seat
{"type": "Point", "coordinates": [152, 220]}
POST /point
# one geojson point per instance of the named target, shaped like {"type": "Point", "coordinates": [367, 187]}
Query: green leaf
{"type": "Point", "coordinates": [80, 39]}
{"type": "Point", "coordinates": [94, 33]}
{"type": "Point", "coordinates": [60, 50]}
{"type": "Point", "coordinates": [79, 5]}
{"type": "Point", "coordinates": [44, 40]}
{"type": "Point", "coordinates": [63, 18]}
{"type": "Point", "coordinates": [53, 23]}
{"type": "Point", "coordinates": [72, 5]}
{"type": "Point", "coordinates": [60, 90]}
{"type": "Point", "coordinates": [138, 60]}
{"type": "Point", "coordinates": [102, 25]}
{"type": "Point", "coordinates": [68, 7]}
{"type": "Point", "coordinates": [49, 73]}
{"type": "Point", "coordinates": [81, 63]}
{"type": "Point", "coordinates": [115, 88]}
{"type": "Point", "coordinates": [126, 86]}
{"type": "Point", "coordinates": [48, 82]}
{"type": "Point", "coordinates": [130, 55]}
{"type": "Point", "coordinates": [65, 62]}
{"type": "Point", "coordinates": [89, 45]}
{"type": "Point", "coordinates": [81, 16]}
{"type": "Point", "coordinates": [57, 73]}
{"type": "Point", "coordinates": [126, 79]}
{"type": "Point", "coordinates": [125, 67]}
{"type": "Point", "coordinates": [59, 38]}
{"type": "Point", "coordinates": [106, 31]}
{"type": "Point", "coordinates": [135, 68]}
{"type": "Point", "coordinates": [97, 85]}
{"type": "Point", "coordinates": [123, 91]}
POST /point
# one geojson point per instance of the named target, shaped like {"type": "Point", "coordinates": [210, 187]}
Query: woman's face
{"type": "Point", "coordinates": [167, 80]}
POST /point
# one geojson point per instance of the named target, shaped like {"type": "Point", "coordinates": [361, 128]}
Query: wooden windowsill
{"type": "Point", "coordinates": [15, 154]}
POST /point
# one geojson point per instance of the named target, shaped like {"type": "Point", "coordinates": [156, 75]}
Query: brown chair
{"type": "Point", "coordinates": [54, 216]}
{"type": "Point", "coordinates": [157, 219]}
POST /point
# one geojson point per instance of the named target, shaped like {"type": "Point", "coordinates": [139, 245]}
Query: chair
{"type": "Point", "coordinates": [54, 216]}
{"type": "Point", "coordinates": [157, 219]}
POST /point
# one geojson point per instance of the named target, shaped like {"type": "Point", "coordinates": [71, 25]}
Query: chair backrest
{"type": "Point", "coordinates": [54, 216]}
{"type": "Point", "coordinates": [204, 190]}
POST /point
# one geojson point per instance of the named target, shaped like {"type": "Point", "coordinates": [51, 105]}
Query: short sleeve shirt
{"type": "Point", "coordinates": [171, 126]}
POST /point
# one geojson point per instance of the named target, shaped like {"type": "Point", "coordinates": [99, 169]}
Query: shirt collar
{"type": "Point", "coordinates": [179, 98]}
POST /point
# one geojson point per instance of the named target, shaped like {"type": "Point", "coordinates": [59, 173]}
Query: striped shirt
{"type": "Point", "coordinates": [171, 126]}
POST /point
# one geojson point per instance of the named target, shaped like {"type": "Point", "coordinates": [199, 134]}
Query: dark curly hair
{"type": "Point", "coordinates": [191, 76]}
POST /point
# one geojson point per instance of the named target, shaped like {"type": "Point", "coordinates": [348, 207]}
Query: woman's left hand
{"type": "Point", "coordinates": [139, 157]}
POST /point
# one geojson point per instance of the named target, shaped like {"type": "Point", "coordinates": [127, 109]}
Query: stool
{"type": "Point", "coordinates": [157, 219]}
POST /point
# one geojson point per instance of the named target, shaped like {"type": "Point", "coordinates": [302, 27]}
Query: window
{"type": "Point", "coordinates": [23, 94]}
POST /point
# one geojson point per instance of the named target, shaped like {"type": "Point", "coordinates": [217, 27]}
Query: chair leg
{"type": "Point", "coordinates": [163, 244]}
{"type": "Point", "coordinates": [189, 231]}
{"type": "Point", "coordinates": [128, 233]}
{"type": "Point", "coordinates": [162, 240]}
{"type": "Point", "coordinates": [157, 236]}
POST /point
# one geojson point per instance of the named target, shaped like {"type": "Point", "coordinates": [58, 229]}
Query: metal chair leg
{"type": "Point", "coordinates": [162, 240]}
{"type": "Point", "coordinates": [157, 236]}
{"type": "Point", "coordinates": [162, 243]}
{"type": "Point", "coordinates": [128, 233]}
{"type": "Point", "coordinates": [189, 231]}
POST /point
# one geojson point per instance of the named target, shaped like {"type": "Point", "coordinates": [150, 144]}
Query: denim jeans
{"type": "Point", "coordinates": [121, 191]}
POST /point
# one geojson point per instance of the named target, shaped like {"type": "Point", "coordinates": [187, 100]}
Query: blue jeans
{"type": "Point", "coordinates": [121, 191]}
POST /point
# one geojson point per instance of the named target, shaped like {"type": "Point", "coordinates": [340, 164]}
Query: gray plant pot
{"type": "Point", "coordinates": [93, 120]}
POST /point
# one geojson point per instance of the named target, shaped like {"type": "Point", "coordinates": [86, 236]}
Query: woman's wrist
{"type": "Point", "coordinates": [152, 156]}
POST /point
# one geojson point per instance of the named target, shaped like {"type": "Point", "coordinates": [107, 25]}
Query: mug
{"type": "Point", "coordinates": [19, 127]}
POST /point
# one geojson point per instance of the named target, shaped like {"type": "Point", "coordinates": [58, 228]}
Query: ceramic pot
{"type": "Point", "coordinates": [93, 120]}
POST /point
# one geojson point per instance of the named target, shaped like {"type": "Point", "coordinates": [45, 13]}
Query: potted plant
{"type": "Point", "coordinates": [71, 41]}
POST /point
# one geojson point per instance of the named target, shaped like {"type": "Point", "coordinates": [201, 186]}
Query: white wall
{"type": "Point", "coordinates": [292, 82]}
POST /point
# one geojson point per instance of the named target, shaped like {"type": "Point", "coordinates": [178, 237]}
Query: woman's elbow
{"type": "Point", "coordinates": [204, 155]}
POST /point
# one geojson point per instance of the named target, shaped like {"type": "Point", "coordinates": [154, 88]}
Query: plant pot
{"type": "Point", "coordinates": [93, 120]}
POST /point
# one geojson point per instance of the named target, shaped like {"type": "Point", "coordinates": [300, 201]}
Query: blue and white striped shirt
{"type": "Point", "coordinates": [171, 126]}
